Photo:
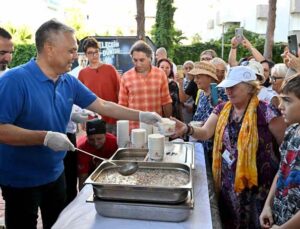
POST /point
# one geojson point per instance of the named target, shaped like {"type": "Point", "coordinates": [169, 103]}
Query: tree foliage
{"type": "Point", "coordinates": [192, 52]}
{"type": "Point", "coordinates": [22, 54]}
{"type": "Point", "coordinates": [164, 34]}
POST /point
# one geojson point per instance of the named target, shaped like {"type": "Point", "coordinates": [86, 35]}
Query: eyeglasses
{"type": "Point", "coordinates": [206, 58]}
{"type": "Point", "coordinates": [244, 63]}
{"type": "Point", "coordinates": [274, 78]}
{"type": "Point", "coordinates": [90, 53]}
{"type": "Point", "coordinates": [188, 68]}
{"type": "Point", "coordinates": [2, 53]}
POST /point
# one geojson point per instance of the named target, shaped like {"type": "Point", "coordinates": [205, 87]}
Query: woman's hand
{"type": "Point", "coordinates": [234, 43]}
{"type": "Point", "coordinates": [180, 128]}
{"type": "Point", "coordinates": [266, 218]}
{"type": "Point", "coordinates": [294, 62]}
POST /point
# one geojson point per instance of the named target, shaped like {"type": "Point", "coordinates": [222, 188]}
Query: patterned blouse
{"type": "Point", "coordinates": [242, 210]}
{"type": "Point", "coordinates": [204, 109]}
{"type": "Point", "coordinates": [287, 195]}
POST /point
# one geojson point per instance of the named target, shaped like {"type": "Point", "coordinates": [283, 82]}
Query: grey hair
{"type": "Point", "coordinates": [218, 60]}
{"type": "Point", "coordinates": [279, 69]}
{"type": "Point", "coordinates": [161, 50]}
{"type": "Point", "coordinates": [47, 32]}
{"type": "Point", "coordinates": [189, 62]}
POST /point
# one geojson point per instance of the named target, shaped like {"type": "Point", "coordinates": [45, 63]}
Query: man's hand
{"type": "Point", "coordinates": [79, 117]}
{"type": "Point", "coordinates": [58, 142]}
{"type": "Point", "coordinates": [266, 218]}
{"type": "Point", "coordinates": [149, 117]}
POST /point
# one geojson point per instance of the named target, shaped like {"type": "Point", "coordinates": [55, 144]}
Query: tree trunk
{"type": "Point", "coordinates": [270, 30]}
{"type": "Point", "coordinates": [140, 19]}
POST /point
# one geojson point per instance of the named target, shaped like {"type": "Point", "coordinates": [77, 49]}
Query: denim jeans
{"type": "Point", "coordinates": [21, 204]}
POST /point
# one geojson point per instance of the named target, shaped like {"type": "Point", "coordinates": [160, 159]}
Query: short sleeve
{"type": "Point", "coordinates": [12, 91]}
{"type": "Point", "coordinates": [83, 96]}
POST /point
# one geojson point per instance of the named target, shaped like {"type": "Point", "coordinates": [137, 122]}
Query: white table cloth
{"type": "Point", "coordinates": [81, 215]}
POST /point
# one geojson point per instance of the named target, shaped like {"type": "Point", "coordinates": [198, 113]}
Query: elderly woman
{"type": "Point", "coordinates": [221, 67]}
{"type": "Point", "coordinates": [204, 74]}
{"type": "Point", "coordinates": [167, 67]}
{"type": "Point", "coordinates": [244, 160]}
{"type": "Point", "coordinates": [278, 73]}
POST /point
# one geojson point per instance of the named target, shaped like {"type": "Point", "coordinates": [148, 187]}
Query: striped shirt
{"type": "Point", "coordinates": [145, 93]}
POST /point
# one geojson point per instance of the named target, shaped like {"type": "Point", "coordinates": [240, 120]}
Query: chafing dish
{"type": "Point", "coordinates": [144, 211]}
{"type": "Point", "coordinates": [142, 192]}
{"type": "Point", "coordinates": [130, 154]}
{"type": "Point", "coordinates": [179, 152]}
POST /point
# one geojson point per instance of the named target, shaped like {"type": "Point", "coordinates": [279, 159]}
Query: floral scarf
{"type": "Point", "coordinates": [247, 145]}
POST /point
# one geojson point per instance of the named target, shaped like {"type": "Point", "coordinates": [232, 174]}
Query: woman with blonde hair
{"type": "Point", "coordinates": [244, 158]}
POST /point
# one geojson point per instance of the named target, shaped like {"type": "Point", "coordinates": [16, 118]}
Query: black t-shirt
{"type": "Point", "coordinates": [192, 89]}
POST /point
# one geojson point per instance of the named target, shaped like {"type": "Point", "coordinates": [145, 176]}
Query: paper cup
{"type": "Point", "coordinates": [122, 133]}
{"type": "Point", "coordinates": [156, 147]}
{"type": "Point", "coordinates": [138, 138]}
{"type": "Point", "coordinates": [167, 127]}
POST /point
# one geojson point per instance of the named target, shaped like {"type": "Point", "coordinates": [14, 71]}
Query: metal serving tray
{"type": "Point", "coordinates": [179, 152]}
{"type": "Point", "coordinates": [142, 193]}
{"type": "Point", "coordinates": [130, 154]}
{"type": "Point", "coordinates": [144, 211]}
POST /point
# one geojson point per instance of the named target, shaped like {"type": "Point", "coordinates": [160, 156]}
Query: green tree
{"type": "Point", "coordinates": [163, 31]}
{"type": "Point", "coordinates": [21, 34]}
{"type": "Point", "coordinates": [196, 38]}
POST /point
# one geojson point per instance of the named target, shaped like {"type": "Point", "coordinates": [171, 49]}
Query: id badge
{"type": "Point", "coordinates": [228, 157]}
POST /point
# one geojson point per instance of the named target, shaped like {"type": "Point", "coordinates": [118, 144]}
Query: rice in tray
{"type": "Point", "coordinates": [145, 177]}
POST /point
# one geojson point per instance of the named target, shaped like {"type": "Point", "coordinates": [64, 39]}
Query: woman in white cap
{"type": "Point", "coordinates": [244, 159]}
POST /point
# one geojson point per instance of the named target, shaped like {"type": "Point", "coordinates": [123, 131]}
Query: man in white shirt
{"type": "Point", "coordinates": [6, 50]}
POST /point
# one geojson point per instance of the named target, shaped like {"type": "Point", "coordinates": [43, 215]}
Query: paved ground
{"type": "Point", "coordinates": [215, 215]}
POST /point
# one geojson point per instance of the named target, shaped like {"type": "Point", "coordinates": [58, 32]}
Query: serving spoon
{"type": "Point", "coordinates": [126, 169]}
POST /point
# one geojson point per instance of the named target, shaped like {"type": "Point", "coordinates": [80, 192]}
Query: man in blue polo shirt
{"type": "Point", "coordinates": [39, 96]}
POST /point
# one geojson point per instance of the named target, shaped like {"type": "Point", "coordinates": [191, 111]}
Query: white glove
{"type": "Point", "coordinates": [58, 142]}
{"type": "Point", "coordinates": [79, 117]}
{"type": "Point", "coordinates": [149, 117]}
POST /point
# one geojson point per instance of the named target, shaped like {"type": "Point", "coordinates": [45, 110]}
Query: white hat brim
{"type": "Point", "coordinates": [228, 83]}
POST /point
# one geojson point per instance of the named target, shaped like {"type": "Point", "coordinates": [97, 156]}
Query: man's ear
{"type": "Point", "coordinates": [48, 48]}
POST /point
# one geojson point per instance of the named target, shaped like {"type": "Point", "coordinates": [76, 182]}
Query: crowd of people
{"type": "Point", "coordinates": [248, 124]}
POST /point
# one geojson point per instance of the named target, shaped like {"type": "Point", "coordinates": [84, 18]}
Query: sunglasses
{"type": "Point", "coordinates": [274, 78]}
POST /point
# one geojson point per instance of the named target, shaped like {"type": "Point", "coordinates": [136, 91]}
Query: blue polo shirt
{"type": "Point", "coordinates": [32, 101]}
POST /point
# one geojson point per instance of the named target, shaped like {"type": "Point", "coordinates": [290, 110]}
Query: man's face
{"type": "Point", "coordinates": [290, 108]}
{"type": "Point", "coordinates": [96, 140]}
{"type": "Point", "coordinates": [6, 50]}
{"type": "Point", "coordinates": [206, 57]}
{"type": "Point", "coordinates": [62, 52]}
{"type": "Point", "coordinates": [266, 70]}
{"type": "Point", "coordinates": [141, 62]}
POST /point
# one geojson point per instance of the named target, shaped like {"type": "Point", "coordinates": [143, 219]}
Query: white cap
{"type": "Point", "coordinates": [257, 68]}
{"type": "Point", "coordinates": [237, 75]}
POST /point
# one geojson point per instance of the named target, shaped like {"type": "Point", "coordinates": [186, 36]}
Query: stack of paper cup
{"type": "Point", "coordinates": [122, 133]}
{"type": "Point", "coordinates": [156, 146]}
{"type": "Point", "coordinates": [138, 138]}
{"type": "Point", "coordinates": [148, 128]}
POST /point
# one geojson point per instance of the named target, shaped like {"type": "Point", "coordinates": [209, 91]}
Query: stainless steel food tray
{"type": "Point", "coordinates": [139, 193]}
{"type": "Point", "coordinates": [144, 211]}
{"type": "Point", "coordinates": [130, 154]}
{"type": "Point", "coordinates": [179, 152]}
